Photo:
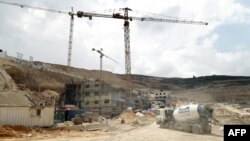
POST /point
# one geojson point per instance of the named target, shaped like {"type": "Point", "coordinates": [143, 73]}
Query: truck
{"type": "Point", "coordinates": [192, 118]}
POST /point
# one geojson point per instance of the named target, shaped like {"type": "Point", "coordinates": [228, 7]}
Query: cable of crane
{"type": "Point", "coordinates": [111, 59]}
{"type": "Point", "coordinates": [102, 54]}
{"type": "Point", "coordinates": [154, 14]}
{"type": "Point", "coordinates": [34, 7]}
{"type": "Point", "coordinates": [105, 11]}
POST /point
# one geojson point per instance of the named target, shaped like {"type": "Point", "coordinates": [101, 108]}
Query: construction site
{"type": "Point", "coordinates": [47, 101]}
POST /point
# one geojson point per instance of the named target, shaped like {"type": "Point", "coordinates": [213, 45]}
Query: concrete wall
{"type": "Point", "coordinates": [100, 99]}
{"type": "Point", "coordinates": [26, 116]}
{"type": "Point", "coordinates": [115, 104]}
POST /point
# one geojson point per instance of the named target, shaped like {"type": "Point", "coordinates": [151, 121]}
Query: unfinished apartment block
{"type": "Point", "coordinates": [94, 96]}
{"type": "Point", "coordinates": [159, 95]}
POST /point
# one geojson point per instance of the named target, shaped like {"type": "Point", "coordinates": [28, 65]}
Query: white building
{"type": "Point", "coordinates": [158, 95]}
{"type": "Point", "coordinates": [17, 109]}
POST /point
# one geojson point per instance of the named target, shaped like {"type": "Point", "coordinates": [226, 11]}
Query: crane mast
{"type": "Point", "coordinates": [127, 42]}
{"type": "Point", "coordinates": [127, 53]}
{"type": "Point", "coordinates": [71, 28]}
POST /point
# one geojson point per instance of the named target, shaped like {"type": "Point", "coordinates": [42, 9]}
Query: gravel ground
{"type": "Point", "coordinates": [145, 133]}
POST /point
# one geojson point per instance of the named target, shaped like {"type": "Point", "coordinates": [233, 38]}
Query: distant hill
{"type": "Point", "coordinates": [179, 83]}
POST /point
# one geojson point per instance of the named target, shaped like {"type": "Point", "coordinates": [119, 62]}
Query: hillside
{"type": "Point", "coordinates": [188, 83]}
{"type": "Point", "coordinates": [204, 89]}
{"type": "Point", "coordinates": [216, 88]}
{"type": "Point", "coordinates": [53, 76]}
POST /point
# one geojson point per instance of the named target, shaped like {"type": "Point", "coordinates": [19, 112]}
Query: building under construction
{"type": "Point", "coordinates": [94, 96]}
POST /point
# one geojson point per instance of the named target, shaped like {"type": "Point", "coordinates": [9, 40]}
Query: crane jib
{"type": "Point", "coordinates": [81, 14]}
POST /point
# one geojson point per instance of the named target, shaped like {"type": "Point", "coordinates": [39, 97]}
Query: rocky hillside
{"type": "Point", "coordinates": [219, 88]}
{"type": "Point", "coordinates": [190, 83]}
{"type": "Point", "coordinates": [53, 76]}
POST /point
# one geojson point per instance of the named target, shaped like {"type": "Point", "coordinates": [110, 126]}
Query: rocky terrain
{"type": "Point", "coordinates": [205, 89]}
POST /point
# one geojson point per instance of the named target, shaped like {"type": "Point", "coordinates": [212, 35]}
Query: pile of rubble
{"type": "Point", "coordinates": [137, 118]}
{"type": "Point", "coordinates": [127, 115]}
{"type": "Point", "coordinates": [227, 114]}
{"type": "Point", "coordinates": [17, 131]}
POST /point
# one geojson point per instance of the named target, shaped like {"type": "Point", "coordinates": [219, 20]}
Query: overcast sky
{"type": "Point", "coordinates": [158, 49]}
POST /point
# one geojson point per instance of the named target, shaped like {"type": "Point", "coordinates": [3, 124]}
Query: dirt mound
{"type": "Point", "coordinates": [138, 118]}
{"type": "Point", "coordinates": [127, 115]}
{"type": "Point", "coordinates": [8, 132]}
{"type": "Point", "coordinates": [14, 130]}
{"type": "Point", "coordinates": [19, 128]}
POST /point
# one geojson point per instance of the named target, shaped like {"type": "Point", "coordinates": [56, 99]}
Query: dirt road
{"type": "Point", "coordinates": [145, 133]}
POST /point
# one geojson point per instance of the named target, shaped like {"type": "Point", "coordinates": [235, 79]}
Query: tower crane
{"type": "Point", "coordinates": [71, 14]}
{"type": "Point", "coordinates": [100, 51]}
{"type": "Point", "coordinates": [128, 18]}
{"type": "Point", "coordinates": [124, 17]}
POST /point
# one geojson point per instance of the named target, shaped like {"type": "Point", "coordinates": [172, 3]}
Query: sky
{"type": "Point", "coordinates": [157, 49]}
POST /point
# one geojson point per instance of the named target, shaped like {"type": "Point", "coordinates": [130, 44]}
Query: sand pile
{"type": "Point", "coordinates": [138, 118]}
{"type": "Point", "coordinates": [127, 115]}
{"type": "Point", "coordinates": [7, 132]}
{"type": "Point", "coordinates": [14, 131]}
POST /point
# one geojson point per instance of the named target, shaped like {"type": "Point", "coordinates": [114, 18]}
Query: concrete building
{"type": "Point", "coordinates": [95, 96]}
{"type": "Point", "coordinates": [141, 97]}
{"type": "Point", "coordinates": [159, 96]}
{"type": "Point", "coordinates": [16, 108]}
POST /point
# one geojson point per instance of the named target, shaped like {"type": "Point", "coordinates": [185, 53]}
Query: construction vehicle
{"type": "Point", "coordinates": [192, 118]}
